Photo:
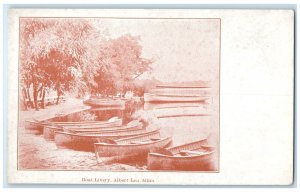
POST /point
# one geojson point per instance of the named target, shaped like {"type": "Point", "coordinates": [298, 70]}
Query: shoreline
{"type": "Point", "coordinates": [35, 153]}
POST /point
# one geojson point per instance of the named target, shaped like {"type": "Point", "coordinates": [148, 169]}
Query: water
{"type": "Point", "coordinates": [184, 122]}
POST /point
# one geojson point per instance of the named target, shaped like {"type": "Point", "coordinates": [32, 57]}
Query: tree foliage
{"type": "Point", "coordinates": [121, 62]}
{"type": "Point", "coordinates": [70, 54]}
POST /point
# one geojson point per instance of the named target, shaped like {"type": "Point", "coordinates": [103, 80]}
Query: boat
{"type": "Point", "coordinates": [131, 125]}
{"type": "Point", "coordinates": [178, 92]}
{"type": "Point", "coordinates": [38, 126]}
{"type": "Point", "coordinates": [156, 98]}
{"type": "Point", "coordinates": [132, 149]}
{"type": "Point", "coordinates": [105, 102]}
{"type": "Point", "coordinates": [34, 126]}
{"type": "Point", "coordinates": [85, 142]}
{"type": "Point", "coordinates": [177, 105]}
{"type": "Point", "coordinates": [184, 91]}
{"type": "Point", "coordinates": [195, 156]}
{"type": "Point", "coordinates": [50, 129]}
{"type": "Point", "coordinates": [112, 122]}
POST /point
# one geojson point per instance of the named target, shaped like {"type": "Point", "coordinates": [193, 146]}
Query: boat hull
{"type": "Point", "coordinates": [153, 98]}
{"type": "Point", "coordinates": [156, 161]}
{"type": "Point", "coordinates": [132, 153]}
{"type": "Point", "coordinates": [34, 127]}
{"type": "Point", "coordinates": [99, 124]}
{"type": "Point", "coordinates": [188, 91]}
{"type": "Point", "coordinates": [38, 126]}
{"type": "Point", "coordinates": [176, 105]}
{"type": "Point", "coordinates": [49, 131]}
{"type": "Point", "coordinates": [82, 142]}
{"type": "Point", "coordinates": [105, 103]}
{"type": "Point", "coordinates": [133, 125]}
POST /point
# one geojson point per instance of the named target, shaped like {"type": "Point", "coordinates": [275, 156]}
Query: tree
{"type": "Point", "coordinates": [28, 67]}
{"type": "Point", "coordinates": [52, 53]}
{"type": "Point", "coordinates": [70, 54]}
{"type": "Point", "coordinates": [121, 62]}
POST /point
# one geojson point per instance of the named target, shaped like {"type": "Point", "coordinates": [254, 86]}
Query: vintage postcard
{"type": "Point", "coordinates": [150, 97]}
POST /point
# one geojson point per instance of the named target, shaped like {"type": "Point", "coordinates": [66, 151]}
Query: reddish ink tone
{"type": "Point", "coordinates": [119, 94]}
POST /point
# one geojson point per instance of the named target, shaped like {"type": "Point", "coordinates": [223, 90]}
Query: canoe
{"type": "Point", "coordinates": [184, 86]}
{"type": "Point", "coordinates": [38, 126]}
{"type": "Point", "coordinates": [132, 149]}
{"type": "Point", "coordinates": [131, 125]}
{"type": "Point", "coordinates": [112, 122]}
{"type": "Point", "coordinates": [105, 102]}
{"type": "Point", "coordinates": [49, 130]}
{"type": "Point", "coordinates": [34, 126]}
{"type": "Point", "coordinates": [183, 91]}
{"type": "Point", "coordinates": [156, 98]}
{"type": "Point", "coordinates": [196, 156]}
{"type": "Point", "coordinates": [167, 106]}
{"type": "Point", "coordinates": [85, 142]}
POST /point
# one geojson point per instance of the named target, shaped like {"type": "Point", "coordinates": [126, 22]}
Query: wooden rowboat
{"type": "Point", "coordinates": [112, 122]}
{"type": "Point", "coordinates": [167, 106]}
{"type": "Point", "coordinates": [196, 156]}
{"type": "Point", "coordinates": [184, 91]}
{"type": "Point", "coordinates": [85, 142]}
{"type": "Point", "coordinates": [38, 126]}
{"type": "Point", "coordinates": [131, 124]}
{"type": "Point", "coordinates": [105, 102]}
{"type": "Point", "coordinates": [132, 149]}
{"type": "Point", "coordinates": [34, 126]}
{"type": "Point", "coordinates": [155, 98]}
{"type": "Point", "coordinates": [49, 130]}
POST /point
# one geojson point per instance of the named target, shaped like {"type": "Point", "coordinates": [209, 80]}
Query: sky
{"type": "Point", "coordinates": [183, 49]}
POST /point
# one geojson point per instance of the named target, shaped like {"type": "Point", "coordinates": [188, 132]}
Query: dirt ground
{"type": "Point", "coordinates": [35, 153]}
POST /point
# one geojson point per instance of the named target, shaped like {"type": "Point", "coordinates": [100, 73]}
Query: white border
{"type": "Point", "coordinates": [228, 93]}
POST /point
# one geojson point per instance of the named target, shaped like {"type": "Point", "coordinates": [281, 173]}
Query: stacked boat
{"type": "Point", "coordinates": [176, 93]}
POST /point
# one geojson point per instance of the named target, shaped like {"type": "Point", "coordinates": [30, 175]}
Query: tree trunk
{"type": "Point", "coordinates": [35, 96]}
{"type": "Point", "coordinates": [29, 97]}
{"type": "Point", "coordinates": [24, 97]}
{"type": "Point", "coordinates": [43, 97]}
{"type": "Point", "coordinates": [58, 95]}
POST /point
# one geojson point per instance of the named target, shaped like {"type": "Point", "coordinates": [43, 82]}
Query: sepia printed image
{"type": "Point", "coordinates": [119, 94]}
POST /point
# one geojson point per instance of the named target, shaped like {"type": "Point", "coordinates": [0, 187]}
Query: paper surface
{"type": "Point", "coordinates": [251, 71]}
